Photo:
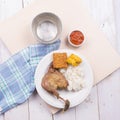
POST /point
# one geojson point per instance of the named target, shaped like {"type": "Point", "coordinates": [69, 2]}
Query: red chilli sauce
{"type": "Point", "coordinates": [76, 37]}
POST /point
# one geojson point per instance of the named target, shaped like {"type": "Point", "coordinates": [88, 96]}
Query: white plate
{"type": "Point", "coordinates": [75, 98]}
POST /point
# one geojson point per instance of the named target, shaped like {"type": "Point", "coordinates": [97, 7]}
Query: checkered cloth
{"type": "Point", "coordinates": [17, 75]}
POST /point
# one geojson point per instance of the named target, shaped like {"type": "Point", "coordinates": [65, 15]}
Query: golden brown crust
{"type": "Point", "coordinates": [59, 60]}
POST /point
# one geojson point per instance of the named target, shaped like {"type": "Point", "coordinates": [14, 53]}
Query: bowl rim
{"type": "Point", "coordinates": [58, 33]}
{"type": "Point", "coordinates": [68, 36]}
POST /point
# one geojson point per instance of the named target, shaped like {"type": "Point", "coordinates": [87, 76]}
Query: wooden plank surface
{"type": "Point", "coordinates": [8, 8]}
{"type": "Point", "coordinates": [108, 90]}
{"type": "Point", "coordinates": [38, 109]}
{"type": "Point", "coordinates": [116, 5]}
{"type": "Point", "coordinates": [104, 101]}
{"type": "Point", "coordinates": [89, 110]}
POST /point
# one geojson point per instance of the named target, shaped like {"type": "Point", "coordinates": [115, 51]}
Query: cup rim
{"type": "Point", "coordinates": [58, 33]}
{"type": "Point", "coordinates": [68, 36]}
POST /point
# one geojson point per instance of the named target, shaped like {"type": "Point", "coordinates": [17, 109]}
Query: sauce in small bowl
{"type": "Point", "coordinates": [76, 38]}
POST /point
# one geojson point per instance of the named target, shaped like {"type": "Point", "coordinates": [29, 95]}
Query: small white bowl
{"type": "Point", "coordinates": [72, 44]}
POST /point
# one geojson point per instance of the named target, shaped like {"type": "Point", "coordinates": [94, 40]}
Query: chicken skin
{"type": "Point", "coordinates": [54, 80]}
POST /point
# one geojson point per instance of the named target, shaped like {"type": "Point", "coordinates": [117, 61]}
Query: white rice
{"type": "Point", "coordinates": [75, 78]}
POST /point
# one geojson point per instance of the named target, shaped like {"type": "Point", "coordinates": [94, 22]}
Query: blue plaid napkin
{"type": "Point", "coordinates": [17, 75]}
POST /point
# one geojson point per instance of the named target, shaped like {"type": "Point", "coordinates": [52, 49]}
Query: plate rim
{"type": "Point", "coordinates": [65, 50]}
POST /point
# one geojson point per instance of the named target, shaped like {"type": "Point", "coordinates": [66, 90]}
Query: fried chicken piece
{"type": "Point", "coordinates": [54, 80]}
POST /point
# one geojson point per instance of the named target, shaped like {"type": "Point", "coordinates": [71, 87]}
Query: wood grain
{"type": "Point", "coordinates": [108, 90]}
{"type": "Point", "coordinates": [27, 2]}
{"type": "Point", "coordinates": [8, 8]}
{"type": "Point", "coordinates": [116, 5]}
{"type": "Point", "coordinates": [68, 115]}
{"type": "Point", "coordinates": [104, 101]}
{"type": "Point", "coordinates": [38, 109]}
{"type": "Point", "coordinates": [89, 108]}
{"type": "Point", "coordinates": [109, 97]}
{"type": "Point", "coordinates": [1, 117]}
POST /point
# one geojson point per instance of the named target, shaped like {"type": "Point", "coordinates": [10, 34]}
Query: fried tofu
{"type": "Point", "coordinates": [59, 60]}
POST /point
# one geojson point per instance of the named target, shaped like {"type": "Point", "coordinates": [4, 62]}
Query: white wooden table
{"type": "Point", "coordinates": [104, 101]}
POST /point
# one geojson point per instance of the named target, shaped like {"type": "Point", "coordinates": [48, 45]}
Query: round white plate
{"type": "Point", "coordinates": [75, 98]}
